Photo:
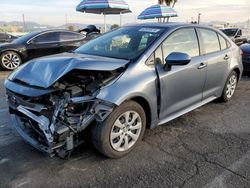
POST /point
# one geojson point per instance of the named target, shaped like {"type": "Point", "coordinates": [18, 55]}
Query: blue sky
{"type": "Point", "coordinates": [53, 11]}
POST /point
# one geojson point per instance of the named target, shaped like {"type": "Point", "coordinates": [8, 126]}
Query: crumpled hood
{"type": "Point", "coordinates": [44, 72]}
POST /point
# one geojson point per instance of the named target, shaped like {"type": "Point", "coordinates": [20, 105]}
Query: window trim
{"type": "Point", "coordinates": [202, 40]}
{"type": "Point", "coordinates": [227, 42]}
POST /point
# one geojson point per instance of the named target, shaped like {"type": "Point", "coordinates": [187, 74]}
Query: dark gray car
{"type": "Point", "coordinates": [136, 77]}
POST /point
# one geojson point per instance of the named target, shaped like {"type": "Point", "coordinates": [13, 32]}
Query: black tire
{"type": "Point", "coordinates": [101, 132]}
{"type": "Point", "coordinates": [225, 97]}
{"type": "Point", "coordinates": [14, 63]}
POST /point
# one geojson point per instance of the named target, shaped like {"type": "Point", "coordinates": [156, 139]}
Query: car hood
{"type": "Point", "coordinates": [44, 72]}
{"type": "Point", "coordinates": [245, 48]}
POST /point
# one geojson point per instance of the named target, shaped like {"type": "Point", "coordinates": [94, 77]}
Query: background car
{"type": "Point", "coordinates": [37, 44]}
{"type": "Point", "coordinates": [246, 56]}
{"type": "Point", "coordinates": [235, 34]}
{"type": "Point", "coordinates": [5, 38]}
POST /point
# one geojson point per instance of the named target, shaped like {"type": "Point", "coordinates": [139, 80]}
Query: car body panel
{"type": "Point", "coordinates": [180, 87]}
{"type": "Point", "coordinates": [29, 91]}
{"type": "Point", "coordinates": [43, 72]}
{"type": "Point", "coordinates": [246, 56]}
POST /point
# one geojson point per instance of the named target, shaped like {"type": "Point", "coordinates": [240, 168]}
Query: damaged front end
{"type": "Point", "coordinates": [54, 121]}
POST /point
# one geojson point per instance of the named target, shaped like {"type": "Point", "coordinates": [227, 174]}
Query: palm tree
{"type": "Point", "coordinates": [168, 2]}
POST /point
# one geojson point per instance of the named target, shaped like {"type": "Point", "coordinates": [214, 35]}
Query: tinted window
{"type": "Point", "coordinates": [65, 36]}
{"type": "Point", "coordinates": [48, 37]}
{"type": "Point", "coordinates": [123, 43]}
{"type": "Point", "coordinates": [210, 40]}
{"type": "Point", "coordinates": [223, 42]}
{"type": "Point", "coordinates": [183, 40]}
{"type": "Point", "coordinates": [230, 32]}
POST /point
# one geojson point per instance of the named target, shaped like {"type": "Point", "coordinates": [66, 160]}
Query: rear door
{"type": "Point", "coordinates": [44, 44]}
{"type": "Point", "coordinates": [216, 54]}
{"type": "Point", "coordinates": [70, 41]}
{"type": "Point", "coordinates": [181, 86]}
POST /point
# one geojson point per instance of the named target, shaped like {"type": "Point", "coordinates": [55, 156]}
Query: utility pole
{"type": "Point", "coordinates": [66, 20]}
{"type": "Point", "coordinates": [24, 24]}
{"type": "Point", "coordinates": [199, 18]}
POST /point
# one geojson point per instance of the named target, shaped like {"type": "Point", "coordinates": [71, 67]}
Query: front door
{"type": "Point", "coordinates": [181, 86]}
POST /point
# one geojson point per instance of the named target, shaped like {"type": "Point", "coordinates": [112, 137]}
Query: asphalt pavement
{"type": "Point", "coordinates": [209, 147]}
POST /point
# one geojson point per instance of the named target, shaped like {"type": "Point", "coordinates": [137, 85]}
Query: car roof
{"type": "Point", "coordinates": [169, 25]}
{"type": "Point", "coordinates": [52, 30]}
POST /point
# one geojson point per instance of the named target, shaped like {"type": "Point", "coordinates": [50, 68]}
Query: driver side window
{"type": "Point", "coordinates": [184, 41]}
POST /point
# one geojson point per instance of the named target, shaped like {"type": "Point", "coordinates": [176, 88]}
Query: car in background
{"type": "Point", "coordinates": [235, 34]}
{"type": "Point", "coordinates": [246, 56]}
{"type": "Point", "coordinates": [91, 32]}
{"type": "Point", "coordinates": [116, 85]}
{"type": "Point", "coordinates": [6, 38]}
{"type": "Point", "coordinates": [38, 44]}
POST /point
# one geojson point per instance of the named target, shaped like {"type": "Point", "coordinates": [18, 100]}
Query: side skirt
{"type": "Point", "coordinates": [186, 110]}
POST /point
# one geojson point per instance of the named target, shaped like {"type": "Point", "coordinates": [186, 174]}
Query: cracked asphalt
{"type": "Point", "coordinates": [209, 147]}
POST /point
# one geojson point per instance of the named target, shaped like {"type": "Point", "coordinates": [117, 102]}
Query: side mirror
{"type": "Point", "coordinates": [177, 59]}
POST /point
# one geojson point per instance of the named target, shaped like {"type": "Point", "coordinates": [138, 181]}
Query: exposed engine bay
{"type": "Point", "coordinates": [54, 122]}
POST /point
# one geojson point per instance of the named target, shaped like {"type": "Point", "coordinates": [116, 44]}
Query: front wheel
{"type": "Point", "coordinates": [121, 131]}
{"type": "Point", "coordinates": [10, 60]}
{"type": "Point", "coordinates": [230, 87]}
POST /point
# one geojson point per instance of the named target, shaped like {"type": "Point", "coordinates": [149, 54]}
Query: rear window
{"type": "Point", "coordinates": [210, 40]}
{"type": "Point", "coordinates": [67, 36]}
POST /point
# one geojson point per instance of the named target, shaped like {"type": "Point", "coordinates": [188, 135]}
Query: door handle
{"type": "Point", "coordinates": [202, 66]}
{"type": "Point", "coordinates": [226, 57]}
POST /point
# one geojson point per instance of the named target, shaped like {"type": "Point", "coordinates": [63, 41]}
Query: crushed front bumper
{"type": "Point", "coordinates": [26, 136]}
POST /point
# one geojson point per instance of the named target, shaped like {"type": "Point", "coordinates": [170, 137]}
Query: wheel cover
{"type": "Point", "coordinates": [231, 86]}
{"type": "Point", "coordinates": [125, 131]}
{"type": "Point", "coordinates": [11, 61]}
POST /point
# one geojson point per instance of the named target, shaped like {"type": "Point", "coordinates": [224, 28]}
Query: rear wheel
{"type": "Point", "coordinates": [230, 87]}
{"type": "Point", "coordinates": [121, 131]}
{"type": "Point", "coordinates": [10, 60]}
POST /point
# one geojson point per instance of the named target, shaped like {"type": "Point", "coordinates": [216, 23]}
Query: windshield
{"type": "Point", "coordinates": [230, 32]}
{"type": "Point", "coordinates": [123, 43]}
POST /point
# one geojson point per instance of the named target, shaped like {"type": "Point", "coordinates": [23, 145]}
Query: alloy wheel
{"type": "Point", "coordinates": [125, 131]}
{"type": "Point", "coordinates": [11, 61]}
{"type": "Point", "coordinates": [231, 86]}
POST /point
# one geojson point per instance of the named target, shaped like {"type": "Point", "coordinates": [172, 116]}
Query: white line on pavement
{"type": "Point", "coordinates": [219, 181]}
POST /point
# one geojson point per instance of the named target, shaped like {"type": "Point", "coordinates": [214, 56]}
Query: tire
{"type": "Point", "coordinates": [116, 147]}
{"type": "Point", "coordinates": [230, 87]}
{"type": "Point", "coordinates": [10, 60]}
